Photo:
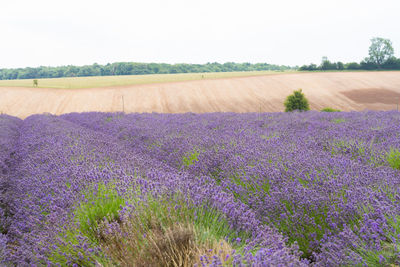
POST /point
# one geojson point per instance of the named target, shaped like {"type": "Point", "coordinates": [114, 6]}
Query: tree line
{"type": "Point", "coordinates": [381, 57]}
{"type": "Point", "coordinates": [131, 68]}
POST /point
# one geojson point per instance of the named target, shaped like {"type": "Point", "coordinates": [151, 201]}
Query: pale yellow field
{"type": "Point", "coordinates": [107, 81]}
{"type": "Point", "coordinates": [340, 90]}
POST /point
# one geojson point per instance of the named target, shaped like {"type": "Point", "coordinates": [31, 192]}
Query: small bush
{"type": "Point", "coordinates": [296, 101]}
{"type": "Point", "coordinates": [330, 110]}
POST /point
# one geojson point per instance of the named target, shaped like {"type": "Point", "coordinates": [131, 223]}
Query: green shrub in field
{"type": "Point", "coordinates": [393, 158]}
{"type": "Point", "coordinates": [330, 110]}
{"type": "Point", "coordinates": [296, 101]}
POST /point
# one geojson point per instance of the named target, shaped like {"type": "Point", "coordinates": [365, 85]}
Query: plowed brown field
{"type": "Point", "coordinates": [341, 90]}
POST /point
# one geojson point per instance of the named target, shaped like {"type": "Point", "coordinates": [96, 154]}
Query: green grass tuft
{"type": "Point", "coordinates": [191, 158]}
{"type": "Point", "coordinates": [338, 120]}
{"type": "Point", "coordinates": [330, 110]}
{"type": "Point", "coordinates": [99, 203]}
{"type": "Point", "coordinates": [393, 158]}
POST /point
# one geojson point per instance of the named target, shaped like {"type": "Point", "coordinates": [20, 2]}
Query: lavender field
{"type": "Point", "coordinates": [219, 189]}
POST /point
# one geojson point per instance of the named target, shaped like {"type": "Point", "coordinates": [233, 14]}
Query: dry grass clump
{"type": "Point", "coordinates": [160, 232]}
{"type": "Point", "coordinates": [176, 245]}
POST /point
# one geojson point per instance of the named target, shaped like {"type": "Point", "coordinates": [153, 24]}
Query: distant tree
{"type": "Point", "coordinates": [296, 101]}
{"type": "Point", "coordinates": [309, 67]}
{"type": "Point", "coordinates": [327, 65]}
{"type": "Point", "coordinates": [352, 66]}
{"type": "Point", "coordinates": [392, 64]}
{"type": "Point", "coordinates": [313, 67]}
{"type": "Point", "coordinates": [304, 67]}
{"type": "Point", "coordinates": [340, 65]}
{"type": "Point", "coordinates": [324, 60]}
{"type": "Point", "coordinates": [367, 64]}
{"type": "Point", "coordinates": [380, 51]}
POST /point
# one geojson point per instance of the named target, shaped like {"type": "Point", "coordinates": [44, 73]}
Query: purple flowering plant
{"type": "Point", "coordinates": [271, 189]}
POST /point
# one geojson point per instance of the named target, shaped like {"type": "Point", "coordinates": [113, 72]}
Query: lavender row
{"type": "Point", "coordinates": [9, 132]}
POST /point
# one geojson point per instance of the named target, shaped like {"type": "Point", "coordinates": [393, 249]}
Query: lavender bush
{"type": "Point", "coordinates": [272, 189]}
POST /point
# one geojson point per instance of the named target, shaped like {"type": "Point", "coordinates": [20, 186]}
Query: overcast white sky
{"type": "Point", "coordinates": [290, 32]}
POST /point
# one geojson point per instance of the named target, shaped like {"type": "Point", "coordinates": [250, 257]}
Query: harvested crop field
{"type": "Point", "coordinates": [341, 90]}
{"type": "Point", "coordinates": [373, 95]}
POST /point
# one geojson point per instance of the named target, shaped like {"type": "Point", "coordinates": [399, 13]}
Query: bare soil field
{"type": "Point", "coordinates": [346, 91]}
